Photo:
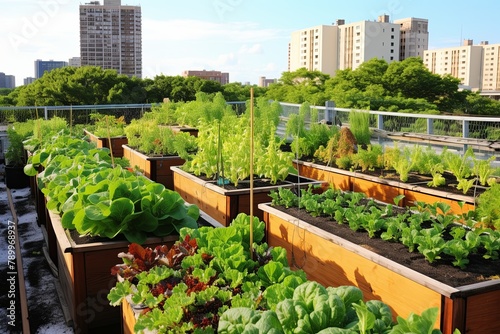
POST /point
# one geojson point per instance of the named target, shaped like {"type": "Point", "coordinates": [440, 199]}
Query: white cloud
{"type": "Point", "coordinates": [254, 49]}
{"type": "Point", "coordinates": [227, 59]}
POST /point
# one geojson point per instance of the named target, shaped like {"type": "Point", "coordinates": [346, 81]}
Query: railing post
{"type": "Point", "coordinates": [46, 113]}
{"type": "Point", "coordinates": [465, 129]}
{"type": "Point", "coordinates": [465, 132]}
{"type": "Point", "coordinates": [380, 122]}
{"type": "Point", "coordinates": [330, 112]}
{"type": "Point", "coordinates": [430, 126]}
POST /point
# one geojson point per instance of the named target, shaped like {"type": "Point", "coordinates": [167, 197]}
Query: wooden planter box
{"type": "Point", "coordinates": [129, 317]}
{"type": "Point", "coordinates": [116, 143]}
{"type": "Point", "coordinates": [155, 168]}
{"type": "Point", "coordinates": [384, 190]}
{"type": "Point", "coordinates": [334, 261]}
{"type": "Point", "coordinates": [84, 272]}
{"type": "Point", "coordinates": [225, 204]}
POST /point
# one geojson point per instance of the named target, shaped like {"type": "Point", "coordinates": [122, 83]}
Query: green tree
{"type": "Point", "coordinates": [300, 86]}
{"type": "Point", "coordinates": [79, 86]}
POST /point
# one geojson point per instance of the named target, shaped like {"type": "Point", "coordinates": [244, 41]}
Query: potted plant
{"type": "Point", "coordinates": [15, 159]}
{"type": "Point", "coordinates": [341, 238]}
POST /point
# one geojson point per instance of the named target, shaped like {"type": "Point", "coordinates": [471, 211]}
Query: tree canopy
{"type": "Point", "coordinates": [90, 85]}
{"type": "Point", "coordinates": [401, 86]}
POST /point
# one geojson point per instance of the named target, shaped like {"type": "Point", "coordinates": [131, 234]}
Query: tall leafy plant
{"type": "Point", "coordinates": [359, 123]}
{"type": "Point", "coordinates": [224, 147]}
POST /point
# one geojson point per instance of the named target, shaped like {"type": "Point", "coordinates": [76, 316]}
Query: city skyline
{"type": "Point", "coordinates": [247, 39]}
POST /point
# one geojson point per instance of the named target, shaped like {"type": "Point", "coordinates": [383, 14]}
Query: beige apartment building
{"type": "Point", "coordinates": [362, 41]}
{"type": "Point", "coordinates": [491, 67]}
{"type": "Point", "coordinates": [111, 36]}
{"type": "Point", "coordinates": [462, 62]}
{"type": "Point", "coordinates": [220, 77]}
{"type": "Point", "coordinates": [414, 38]}
{"type": "Point", "coordinates": [315, 49]}
{"type": "Point", "coordinates": [328, 48]}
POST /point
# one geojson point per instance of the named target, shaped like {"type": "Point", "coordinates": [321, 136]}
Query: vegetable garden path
{"type": "Point", "coordinates": [45, 314]}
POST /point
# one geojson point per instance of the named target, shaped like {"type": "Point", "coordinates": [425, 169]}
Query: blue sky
{"type": "Point", "coordinates": [247, 38]}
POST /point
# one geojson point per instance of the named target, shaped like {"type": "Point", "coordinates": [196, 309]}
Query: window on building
{"type": "Point", "coordinates": [392, 36]}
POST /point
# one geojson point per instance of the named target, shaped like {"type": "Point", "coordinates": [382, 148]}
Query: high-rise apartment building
{"type": "Point", "coordinates": [491, 67]}
{"type": "Point", "coordinates": [477, 66]}
{"type": "Point", "coordinates": [462, 62]}
{"type": "Point", "coordinates": [28, 80]}
{"type": "Point", "coordinates": [341, 46]}
{"type": "Point", "coordinates": [220, 77]}
{"type": "Point", "coordinates": [42, 66]}
{"type": "Point", "coordinates": [265, 82]}
{"type": "Point", "coordinates": [414, 37]}
{"type": "Point", "coordinates": [75, 62]}
{"type": "Point", "coordinates": [362, 41]}
{"type": "Point", "coordinates": [314, 49]}
{"type": "Point", "coordinates": [111, 37]}
{"type": "Point", "coordinates": [7, 81]}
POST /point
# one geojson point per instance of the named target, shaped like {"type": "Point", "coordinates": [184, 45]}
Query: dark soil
{"type": "Point", "coordinates": [257, 182]}
{"type": "Point", "coordinates": [478, 270]}
{"type": "Point", "coordinates": [87, 239]}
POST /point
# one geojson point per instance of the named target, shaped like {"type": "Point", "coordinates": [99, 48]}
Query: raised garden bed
{"type": "Point", "coordinates": [116, 145]}
{"type": "Point", "coordinates": [332, 258]}
{"type": "Point", "coordinates": [156, 168]}
{"type": "Point", "coordinates": [224, 204]}
{"type": "Point", "coordinates": [386, 189]}
{"type": "Point", "coordinates": [84, 266]}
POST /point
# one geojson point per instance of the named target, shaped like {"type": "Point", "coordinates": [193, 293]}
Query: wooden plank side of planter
{"type": "Point", "coordinates": [380, 191]}
{"type": "Point", "coordinates": [85, 277]}
{"type": "Point", "coordinates": [241, 204]}
{"type": "Point", "coordinates": [337, 180]}
{"type": "Point", "coordinates": [116, 143]}
{"type": "Point", "coordinates": [483, 311]}
{"type": "Point", "coordinates": [161, 172]}
{"type": "Point", "coordinates": [128, 318]}
{"type": "Point", "coordinates": [137, 160]}
{"type": "Point", "coordinates": [214, 204]}
{"type": "Point", "coordinates": [453, 315]}
{"type": "Point", "coordinates": [332, 265]}
{"type": "Point", "coordinates": [155, 168]}
{"type": "Point", "coordinates": [411, 196]}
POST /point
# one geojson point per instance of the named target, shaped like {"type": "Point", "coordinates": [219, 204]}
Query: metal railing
{"type": "Point", "coordinates": [486, 128]}
{"type": "Point", "coordinates": [472, 127]}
